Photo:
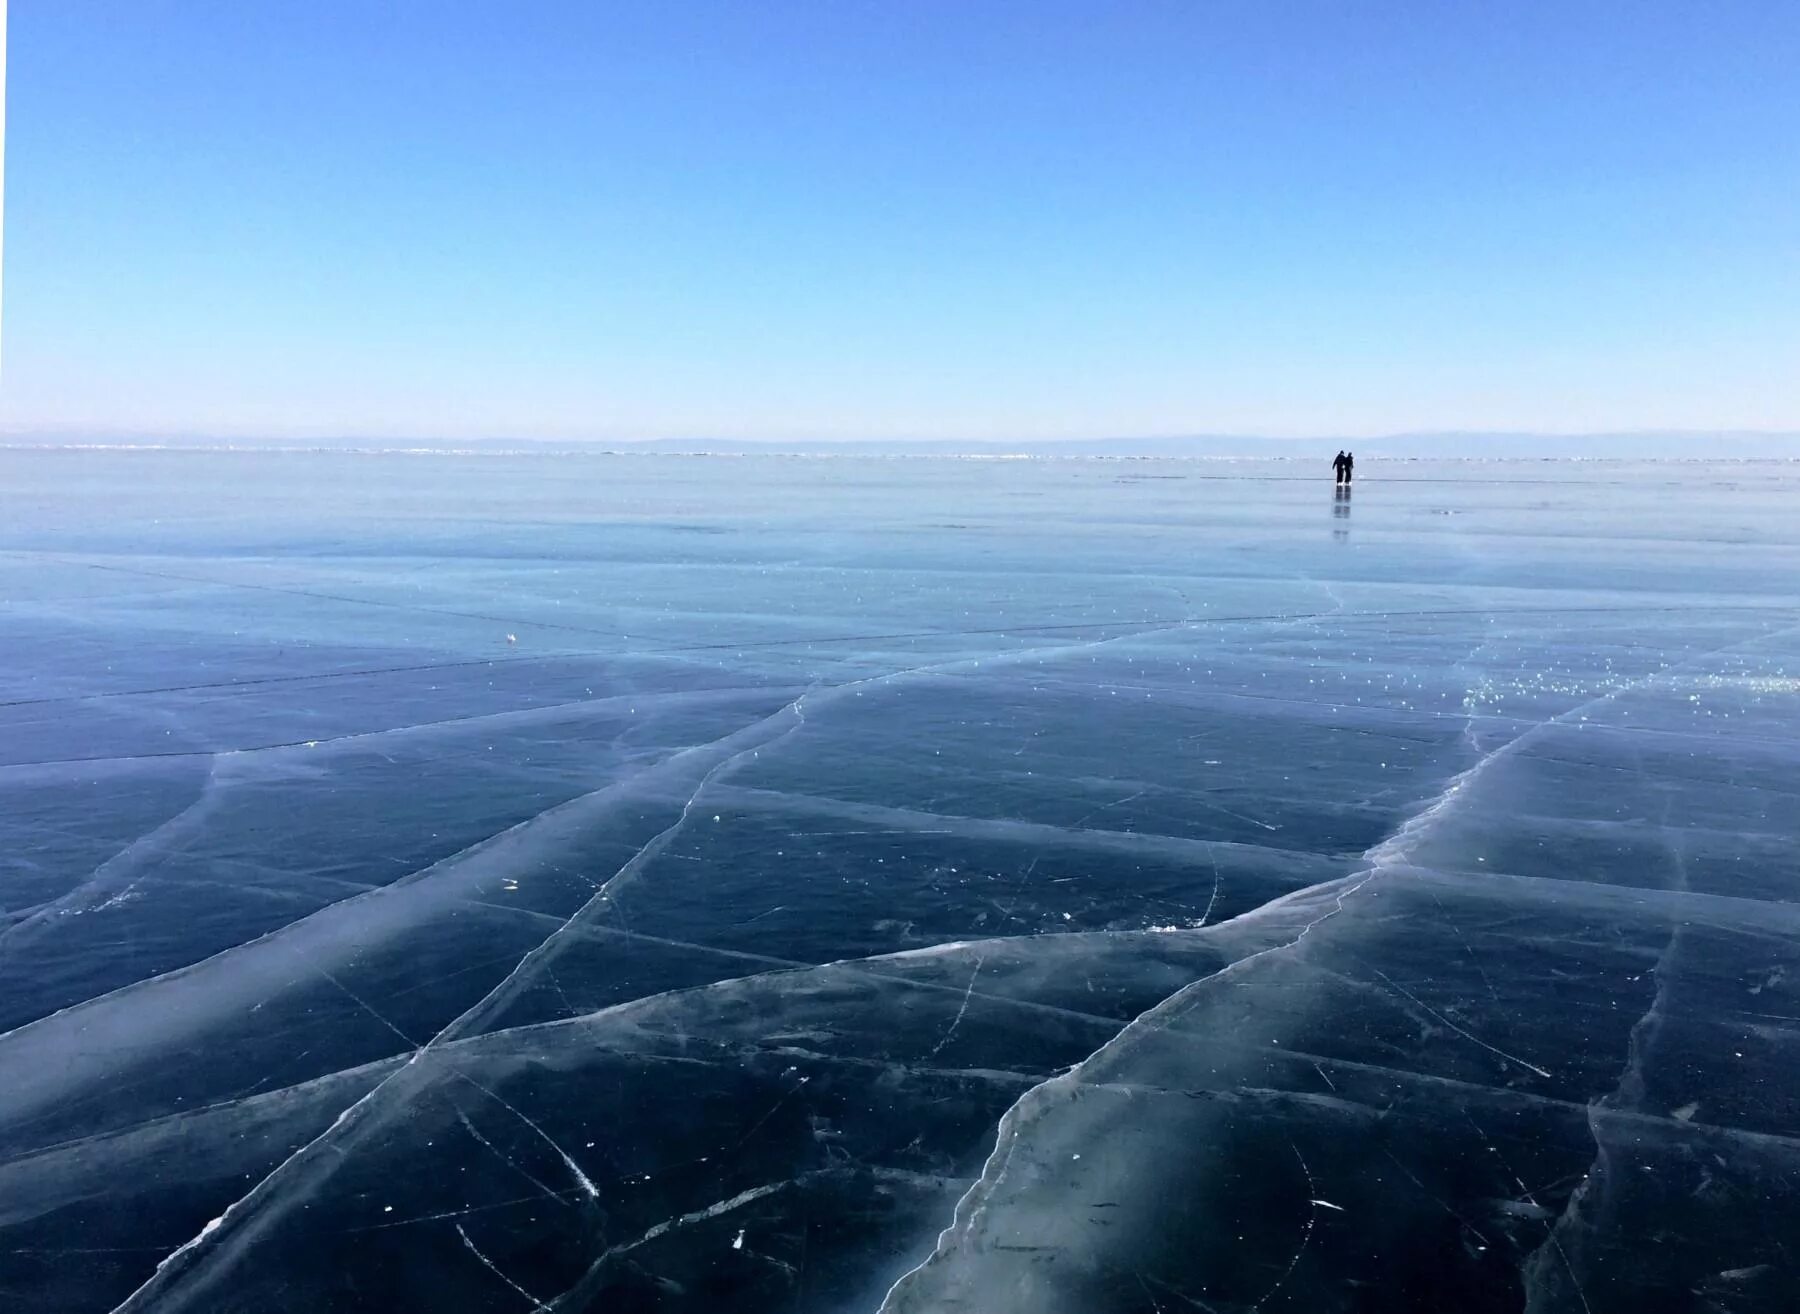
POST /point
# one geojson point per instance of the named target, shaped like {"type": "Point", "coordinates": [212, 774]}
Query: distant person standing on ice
{"type": "Point", "coordinates": [1349, 466]}
{"type": "Point", "coordinates": [1339, 466]}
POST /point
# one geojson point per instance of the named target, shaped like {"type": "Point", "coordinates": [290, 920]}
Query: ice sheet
{"type": "Point", "coordinates": [468, 883]}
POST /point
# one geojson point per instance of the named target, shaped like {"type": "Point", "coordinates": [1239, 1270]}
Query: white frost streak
{"type": "Point", "coordinates": [711, 1211]}
{"type": "Point", "coordinates": [663, 1229]}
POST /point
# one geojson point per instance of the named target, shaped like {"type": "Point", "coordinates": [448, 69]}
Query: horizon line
{"type": "Point", "coordinates": [28, 435]}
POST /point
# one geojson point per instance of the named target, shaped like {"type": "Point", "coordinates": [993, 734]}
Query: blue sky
{"type": "Point", "coordinates": [903, 219]}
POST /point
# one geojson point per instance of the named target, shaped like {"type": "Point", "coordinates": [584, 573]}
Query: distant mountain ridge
{"type": "Point", "coordinates": [1467, 445]}
{"type": "Point", "coordinates": [1672, 444]}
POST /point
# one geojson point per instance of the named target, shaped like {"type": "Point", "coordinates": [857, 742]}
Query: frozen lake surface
{"type": "Point", "coordinates": [463, 883]}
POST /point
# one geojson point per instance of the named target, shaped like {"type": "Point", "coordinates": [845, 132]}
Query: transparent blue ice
{"type": "Point", "coordinates": [477, 882]}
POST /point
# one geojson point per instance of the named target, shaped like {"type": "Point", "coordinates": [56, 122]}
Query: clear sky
{"type": "Point", "coordinates": [904, 218]}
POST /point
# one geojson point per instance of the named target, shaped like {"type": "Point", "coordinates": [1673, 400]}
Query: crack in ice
{"type": "Point", "coordinates": [1306, 1232]}
{"type": "Point", "coordinates": [1461, 1031]}
{"type": "Point", "coordinates": [598, 1267]}
{"type": "Point", "coordinates": [505, 1158]}
{"type": "Point", "coordinates": [963, 1008]}
{"type": "Point", "coordinates": [495, 1268]}
{"type": "Point", "coordinates": [973, 1204]}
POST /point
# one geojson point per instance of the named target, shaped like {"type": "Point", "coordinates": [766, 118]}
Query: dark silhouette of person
{"type": "Point", "coordinates": [1349, 466]}
{"type": "Point", "coordinates": [1338, 464]}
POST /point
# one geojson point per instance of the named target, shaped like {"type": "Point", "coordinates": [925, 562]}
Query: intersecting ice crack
{"type": "Point", "coordinates": [444, 1216]}
{"type": "Point", "coordinates": [796, 708]}
{"type": "Point", "coordinates": [1383, 858]}
{"type": "Point", "coordinates": [1628, 1094]}
{"type": "Point", "coordinates": [874, 968]}
{"type": "Point", "coordinates": [360, 1002]}
{"type": "Point", "coordinates": [463, 1024]}
{"type": "Point", "coordinates": [1436, 1199]}
{"type": "Point", "coordinates": [150, 1287]}
{"type": "Point", "coordinates": [974, 1202]}
{"type": "Point", "coordinates": [191, 996]}
{"type": "Point", "coordinates": [1398, 846]}
{"type": "Point", "coordinates": [548, 1192]}
{"type": "Point", "coordinates": [540, 1036]}
{"type": "Point", "coordinates": [1525, 1193]}
{"type": "Point", "coordinates": [154, 845]}
{"type": "Point", "coordinates": [500, 995]}
{"type": "Point", "coordinates": [575, 1295]}
{"type": "Point", "coordinates": [760, 735]}
{"type": "Point", "coordinates": [582, 1180]}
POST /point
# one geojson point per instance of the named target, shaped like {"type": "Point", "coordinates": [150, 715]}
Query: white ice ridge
{"type": "Point", "coordinates": [1011, 830]}
{"type": "Point", "coordinates": [304, 750]}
